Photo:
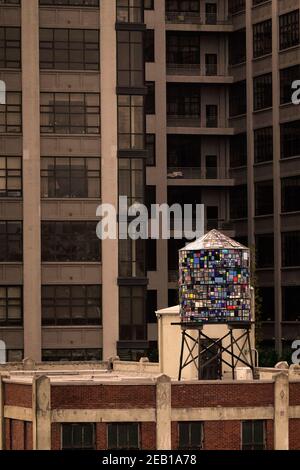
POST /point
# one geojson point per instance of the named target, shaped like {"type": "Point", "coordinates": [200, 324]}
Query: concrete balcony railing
{"type": "Point", "coordinates": [211, 70]}
{"type": "Point", "coordinates": [187, 120]}
{"type": "Point", "coordinates": [213, 173]}
{"type": "Point", "coordinates": [195, 18]}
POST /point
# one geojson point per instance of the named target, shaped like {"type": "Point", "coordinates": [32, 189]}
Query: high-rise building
{"type": "Point", "coordinates": [160, 101]}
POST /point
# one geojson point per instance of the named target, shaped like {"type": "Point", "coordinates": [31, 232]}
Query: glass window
{"type": "Point", "coordinates": [123, 436]}
{"type": "Point", "coordinates": [290, 193]}
{"type": "Point", "coordinates": [263, 95]}
{"type": "Point", "coordinates": [130, 11]}
{"type": "Point", "coordinates": [262, 38]}
{"type": "Point", "coordinates": [132, 313]}
{"type": "Point", "coordinates": [131, 125]}
{"type": "Point", "coordinates": [77, 3]}
{"type": "Point", "coordinates": [11, 113]}
{"type": "Point", "coordinates": [290, 249]}
{"type": "Point", "coordinates": [11, 241]}
{"type": "Point", "coordinates": [190, 435]}
{"type": "Point", "coordinates": [71, 305]}
{"type": "Point", "coordinates": [253, 435]}
{"type": "Point", "coordinates": [264, 250]}
{"type": "Point", "coordinates": [66, 177]}
{"type": "Point", "coordinates": [70, 241]}
{"type": "Point", "coordinates": [264, 198]}
{"type": "Point", "coordinates": [66, 355]}
{"type": "Point", "coordinates": [290, 139]}
{"type": "Point", "coordinates": [131, 258]}
{"type": "Point", "coordinates": [10, 176]}
{"type": "Point", "coordinates": [289, 31]}
{"type": "Point", "coordinates": [11, 306]}
{"type": "Point", "coordinates": [132, 179]}
{"type": "Point", "coordinates": [78, 436]}
{"type": "Point", "coordinates": [10, 47]}
{"type": "Point", "coordinates": [69, 49]}
{"type": "Point", "coordinates": [70, 113]}
{"type": "Point", "coordinates": [237, 99]}
{"type": "Point", "coordinates": [287, 77]}
{"type": "Point", "coordinates": [130, 59]}
{"type": "Point", "coordinates": [238, 202]}
{"type": "Point", "coordinates": [263, 145]}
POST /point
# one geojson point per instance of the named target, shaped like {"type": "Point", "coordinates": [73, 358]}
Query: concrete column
{"type": "Point", "coordinates": [163, 413]}
{"type": "Point", "coordinates": [250, 133]}
{"type": "Point", "coordinates": [276, 180]}
{"type": "Point", "coordinates": [109, 169]}
{"type": "Point", "coordinates": [31, 179]}
{"type": "Point", "coordinates": [41, 411]}
{"type": "Point", "coordinates": [2, 437]}
{"type": "Point", "coordinates": [281, 412]}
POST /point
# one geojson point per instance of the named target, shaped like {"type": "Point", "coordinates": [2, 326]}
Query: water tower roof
{"type": "Point", "coordinates": [214, 240]}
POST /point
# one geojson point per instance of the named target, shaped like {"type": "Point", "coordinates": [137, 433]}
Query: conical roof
{"type": "Point", "coordinates": [214, 240]}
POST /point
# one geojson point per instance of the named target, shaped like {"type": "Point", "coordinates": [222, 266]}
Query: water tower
{"type": "Point", "coordinates": [214, 288]}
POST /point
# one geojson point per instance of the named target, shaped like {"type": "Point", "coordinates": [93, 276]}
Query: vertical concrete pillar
{"type": "Point", "coordinates": [31, 179]}
{"type": "Point", "coordinates": [281, 412]}
{"type": "Point", "coordinates": [109, 173]}
{"type": "Point", "coordinates": [276, 178]}
{"type": "Point", "coordinates": [41, 413]}
{"type": "Point", "coordinates": [2, 437]}
{"type": "Point", "coordinates": [163, 413]}
{"type": "Point", "coordinates": [250, 133]}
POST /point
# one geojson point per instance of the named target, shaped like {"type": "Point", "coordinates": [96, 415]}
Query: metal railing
{"type": "Point", "coordinates": [195, 18]}
{"type": "Point", "coordinates": [208, 70]}
{"type": "Point", "coordinates": [181, 172]}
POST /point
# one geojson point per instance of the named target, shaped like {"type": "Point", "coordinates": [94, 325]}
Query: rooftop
{"type": "Point", "coordinates": [214, 240]}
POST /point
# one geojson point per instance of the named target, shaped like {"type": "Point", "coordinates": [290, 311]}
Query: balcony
{"type": "Point", "coordinates": [192, 124]}
{"type": "Point", "coordinates": [187, 17]}
{"type": "Point", "coordinates": [208, 73]}
{"type": "Point", "coordinates": [211, 176]}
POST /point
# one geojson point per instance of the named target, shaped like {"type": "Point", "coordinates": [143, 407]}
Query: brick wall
{"type": "Point", "coordinates": [7, 434]}
{"type": "Point", "coordinates": [28, 436]}
{"type": "Point", "coordinates": [270, 434]}
{"type": "Point", "coordinates": [103, 396]}
{"type": "Point", "coordinates": [206, 395]}
{"type": "Point", "coordinates": [294, 434]}
{"type": "Point", "coordinates": [17, 435]}
{"type": "Point", "coordinates": [55, 436]}
{"type": "Point", "coordinates": [222, 435]}
{"type": "Point", "coordinates": [148, 436]}
{"type": "Point", "coordinates": [101, 436]}
{"type": "Point", "coordinates": [294, 393]}
{"type": "Point", "coordinates": [18, 395]}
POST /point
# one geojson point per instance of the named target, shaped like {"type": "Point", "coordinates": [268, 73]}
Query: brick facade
{"type": "Point", "coordinates": [18, 395]}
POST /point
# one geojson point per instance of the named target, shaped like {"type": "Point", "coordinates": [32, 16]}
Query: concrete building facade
{"type": "Point", "coordinates": [152, 100]}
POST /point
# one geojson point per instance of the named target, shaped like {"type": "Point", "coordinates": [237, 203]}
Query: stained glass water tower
{"type": "Point", "coordinates": [214, 288]}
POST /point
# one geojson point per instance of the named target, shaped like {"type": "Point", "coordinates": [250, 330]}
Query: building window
{"type": "Point", "coordinates": [130, 59]}
{"type": "Point", "coordinates": [290, 193]}
{"type": "Point", "coordinates": [237, 99]}
{"type": "Point", "coordinates": [266, 295]}
{"type": "Point", "coordinates": [11, 113]}
{"type": "Point", "coordinates": [132, 179]}
{"type": "Point", "coordinates": [238, 202]}
{"type": "Point", "coordinates": [184, 151]}
{"type": "Point", "coordinates": [238, 150]}
{"type": "Point", "coordinates": [262, 38]}
{"type": "Point", "coordinates": [183, 102]}
{"type": "Point", "coordinates": [289, 31]}
{"type": "Point", "coordinates": [11, 306]}
{"type": "Point", "coordinates": [151, 149]}
{"type": "Point", "coordinates": [290, 249]}
{"type": "Point", "coordinates": [78, 436]}
{"type": "Point", "coordinates": [65, 177]}
{"type": "Point", "coordinates": [131, 258]}
{"type": "Point", "coordinates": [131, 125]}
{"type": "Point", "coordinates": [151, 255]}
{"type": "Point", "coordinates": [76, 3]}
{"type": "Point", "coordinates": [11, 241]}
{"type": "Point", "coordinates": [190, 436]}
{"type": "Point", "coordinates": [71, 355]}
{"type": "Point", "coordinates": [150, 98]}
{"type": "Point", "coordinates": [10, 47]}
{"type": "Point", "coordinates": [123, 436]}
{"type": "Point", "coordinates": [253, 435]}
{"type": "Point", "coordinates": [263, 96]}
{"type": "Point", "coordinates": [291, 303]}
{"type": "Point", "coordinates": [264, 198]}
{"type": "Point", "coordinates": [132, 313]}
{"type": "Point", "coordinates": [149, 4]}
{"type": "Point", "coordinates": [183, 48]}
{"type": "Point", "coordinates": [151, 306]}
{"type": "Point", "coordinates": [71, 305]}
{"type": "Point", "coordinates": [236, 6]}
{"type": "Point", "coordinates": [149, 46]}
{"type": "Point", "coordinates": [264, 250]}
{"type": "Point", "coordinates": [290, 139]}
{"type": "Point", "coordinates": [263, 145]}
{"type": "Point", "coordinates": [130, 11]}
{"type": "Point", "coordinates": [211, 115]}
{"type": "Point", "coordinates": [69, 49]}
{"type": "Point", "coordinates": [237, 47]}
{"type": "Point", "coordinates": [70, 113]}
{"type": "Point", "coordinates": [211, 64]}
{"type": "Point", "coordinates": [287, 77]}
{"type": "Point", "coordinates": [10, 176]}
{"type": "Point", "coordinates": [183, 6]}
{"type": "Point", "coordinates": [70, 241]}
